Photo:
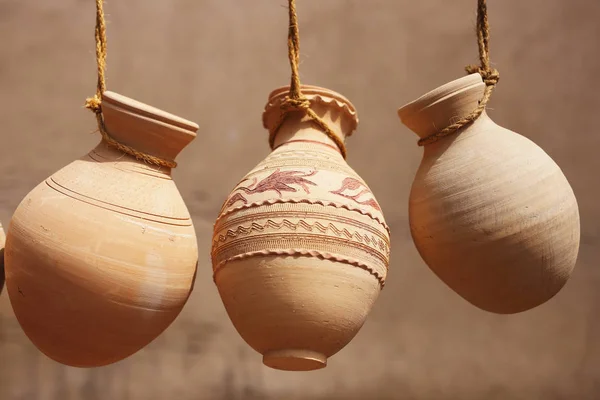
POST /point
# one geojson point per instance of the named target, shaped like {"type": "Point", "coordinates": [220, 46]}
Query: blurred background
{"type": "Point", "coordinates": [214, 62]}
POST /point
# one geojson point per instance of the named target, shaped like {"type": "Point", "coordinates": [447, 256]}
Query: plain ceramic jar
{"type": "Point", "coordinates": [300, 247]}
{"type": "Point", "coordinates": [101, 256]}
{"type": "Point", "coordinates": [2, 241]}
{"type": "Point", "coordinates": [490, 212]}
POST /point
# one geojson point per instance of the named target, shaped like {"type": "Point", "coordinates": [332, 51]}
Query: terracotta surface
{"type": "Point", "coordinates": [215, 63]}
{"type": "Point", "coordinates": [489, 211]}
{"type": "Point", "coordinates": [2, 241]}
{"type": "Point", "coordinates": [101, 256]}
{"type": "Point", "coordinates": [300, 247]}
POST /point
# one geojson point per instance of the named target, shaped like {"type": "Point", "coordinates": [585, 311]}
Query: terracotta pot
{"type": "Point", "coordinates": [101, 256]}
{"type": "Point", "coordinates": [300, 247]}
{"type": "Point", "coordinates": [490, 212]}
{"type": "Point", "coordinates": [2, 241]}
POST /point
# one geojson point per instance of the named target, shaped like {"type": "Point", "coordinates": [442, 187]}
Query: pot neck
{"type": "Point", "coordinates": [443, 106]}
{"type": "Point", "coordinates": [333, 108]}
{"type": "Point", "coordinates": [145, 128]}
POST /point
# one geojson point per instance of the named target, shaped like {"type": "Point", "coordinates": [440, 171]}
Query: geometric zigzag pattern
{"type": "Point", "coordinates": [270, 224]}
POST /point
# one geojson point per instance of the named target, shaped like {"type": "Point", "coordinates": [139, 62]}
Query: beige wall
{"type": "Point", "coordinates": [214, 62]}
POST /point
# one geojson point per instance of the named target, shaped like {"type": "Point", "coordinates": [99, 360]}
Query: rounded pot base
{"type": "Point", "coordinates": [295, 360]}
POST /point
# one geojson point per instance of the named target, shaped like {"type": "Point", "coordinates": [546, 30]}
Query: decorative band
{"type": "Point", "coordinates": [119, 209]}
{"type": "Point", "coordinates": [302, 253]}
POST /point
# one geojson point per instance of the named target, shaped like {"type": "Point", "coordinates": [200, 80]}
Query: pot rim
{"type": "Point", "coordinates": [314, 94]}
{"type": "Point", "coordinates": [145, 110]}
{"type": "Point", "coordinates": [310, 90]}
{"type": "Point", "coordinates": [440, 93]}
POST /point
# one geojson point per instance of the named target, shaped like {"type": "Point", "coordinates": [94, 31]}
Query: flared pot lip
{"type": "Point", "coordinates": [137, 107]}
{"type": "Point", "coordinates": [443, 92]}
{"type": "Point", "coordinates": [316, 94]}
{"type": "Point", "coordinates": [310, 90]}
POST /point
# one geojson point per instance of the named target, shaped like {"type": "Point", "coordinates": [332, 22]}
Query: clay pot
{"type": "Point", "coordinates": [101, 256]}
{"type": "Point", "coordinates": [490, 212]}
{"type": "Point", "coordinates": [300, 248]}
{"type": "Point", "coordinates": [2, 241]}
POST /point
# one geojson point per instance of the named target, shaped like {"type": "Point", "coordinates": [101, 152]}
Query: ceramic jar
{"type": "Point", "coordinates": [101, 256]}
{"type": "Point", "coordinates": [490, 212]}
{"type": "Point", "coordinates": [2, 241]}
{"type": "Point", "coordinates": [300, 247]}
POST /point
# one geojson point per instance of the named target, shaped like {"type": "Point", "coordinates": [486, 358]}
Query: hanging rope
{"type": "Point", "coordinates": [296, 101]}
{"type": "Point", "coordinates": [490, 76]}
{"type": "Point", "coordinates": [95, 103]}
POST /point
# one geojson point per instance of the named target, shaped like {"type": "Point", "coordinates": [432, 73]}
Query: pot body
{"type": "Point", "coordinates": [100, 258]}
{"type": "Point", "coordinates": [490, 212]}
{"type": "Point", "coordinates": [300, 247]}
{"type": "Point", "coordinates": [2, 242]}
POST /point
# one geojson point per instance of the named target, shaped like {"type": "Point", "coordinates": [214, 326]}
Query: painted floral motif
{"type": "Point", "coordinates": [234, 199]}
{"type": "Point", "coordinates": [280, 181]}
{"type": "Point", "coordinates": [351, 184]}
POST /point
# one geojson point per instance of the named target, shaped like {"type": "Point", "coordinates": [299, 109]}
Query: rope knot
{"type": "Point", "coordinates": [299, 104]}
{"type": "Point", "coordinates": [303, 104]}
{"type": "Point", "coordinates": [94, 104]}
{"type": "Point", "coordinates": [295, 101]}
{"type": "Point", "coordinates": [490, 76]}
